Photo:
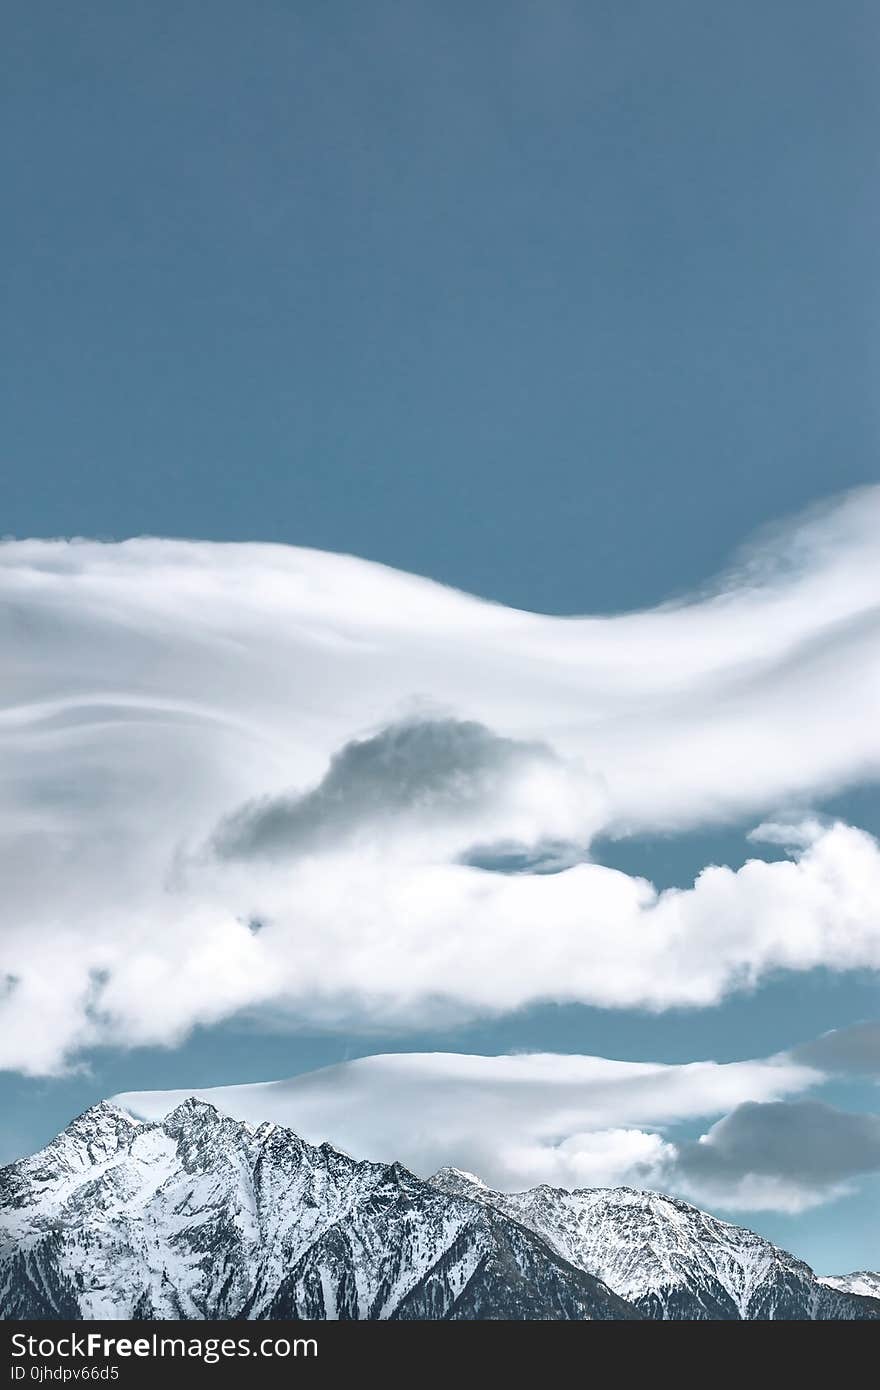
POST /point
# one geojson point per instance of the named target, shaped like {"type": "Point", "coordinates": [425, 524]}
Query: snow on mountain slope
{"type": "Point", "coordinates": [202, 1216]}
{"type": "Point", "coordinates": [863, 1282]}
{"type": "Point", "coordinates": [199, 1215]}
{"type": "Point", "coordinates": [667, 1257]}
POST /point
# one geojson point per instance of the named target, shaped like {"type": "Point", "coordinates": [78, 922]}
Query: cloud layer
{"type": "Point", "coordinates": [199, 738]}
{"type": "Point", "coordinates": [854, 1050]}
{"type": "Point", "coordinates": [573, 1121]}
{"type": "Point", "coordinates": [784, 1154]}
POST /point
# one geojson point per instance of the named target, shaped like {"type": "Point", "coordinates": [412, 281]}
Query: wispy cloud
{"type": "Point", "coordinates": [198, 736]}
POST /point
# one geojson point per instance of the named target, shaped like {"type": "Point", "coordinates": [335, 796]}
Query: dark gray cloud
{"type": "Point", "coordinates": [424, 768]}
{"type": "Point", "coordinates": [855, 1049]}
{"type": "Point", "coordinates": [546, 857]}
{"type": "Point", "coordinates": [806, 1142]}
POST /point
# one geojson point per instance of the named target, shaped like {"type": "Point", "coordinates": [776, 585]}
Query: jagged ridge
{"type": "Point", "coordinates": [668, 1258]}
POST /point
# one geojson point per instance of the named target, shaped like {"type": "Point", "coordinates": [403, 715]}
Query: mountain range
{"type": "Point", "coordinates": [199, 1215]}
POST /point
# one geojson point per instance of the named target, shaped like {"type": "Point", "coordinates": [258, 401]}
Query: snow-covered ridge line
{"type": "Point", "coordinates": [865, 1283]}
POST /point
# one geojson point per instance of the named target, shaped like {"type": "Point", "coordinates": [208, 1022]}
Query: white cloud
{"type": "Point", "coordinates": [347, 936]}
{"type": "Point", "coordinates": [154, 689]}
{"type": "Point", "coordinates": [516, 1121]}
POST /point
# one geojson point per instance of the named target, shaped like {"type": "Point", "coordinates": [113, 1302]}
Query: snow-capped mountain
{"type": "Point", "coordinates": [864, 1282]}
{"type": "Point", "coordinates": [668, 1258]}
{"type": "Point", "coordinates": [199, 1215]}
{"type": "Point", "coordinates": [202, 1216]}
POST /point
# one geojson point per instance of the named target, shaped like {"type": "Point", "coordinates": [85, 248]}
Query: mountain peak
{"type": "Point", "coordinates": [451, 1174]}
{"type": "Point", "coordinates": [103, 1112]}
{"type": "Point", "coordinates": [192, 1108]}
{"type": "Point", "coordinates": [95, 1133]}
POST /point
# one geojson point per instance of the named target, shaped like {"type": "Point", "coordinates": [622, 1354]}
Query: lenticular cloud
{"type": "Point", "coordinates": [574, 1121]}
{"type": "Point", "coordinates": [250, 777]}
{"type": "Point", "coordinates": [514, 1120]}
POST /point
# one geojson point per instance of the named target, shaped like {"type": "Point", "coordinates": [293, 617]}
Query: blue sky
{"type": "Point", "coordinates": [556, 303]}
{"type": "Point", "coordinates": [553, 301]}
